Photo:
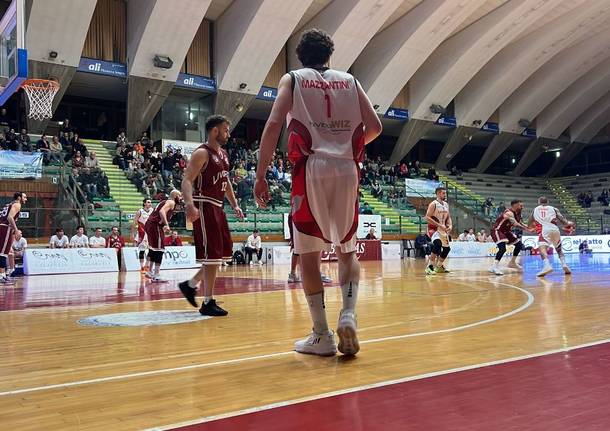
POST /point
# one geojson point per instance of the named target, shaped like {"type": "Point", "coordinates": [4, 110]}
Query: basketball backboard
{"type": "Point", "coordinates": [13, 54]}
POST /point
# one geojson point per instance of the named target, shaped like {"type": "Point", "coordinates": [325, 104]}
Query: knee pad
{"type": "Point", "coordinates": [141, 254]}
{"type": "Point", "coordinates": [445, 252]}
{"type": "Point", "coordinates": [501, 250]}
{"type": "Point", "coordinates": [3, 262]}
{"type": "Point", "coordinates": [437, 247]}
{"type": "Point", "coordinates": [518, 248]}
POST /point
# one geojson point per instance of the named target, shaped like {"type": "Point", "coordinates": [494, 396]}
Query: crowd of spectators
{"type": "Point", "coordinates": [586, 199]}
{"type": "Point", "coordinates": [469, 235]}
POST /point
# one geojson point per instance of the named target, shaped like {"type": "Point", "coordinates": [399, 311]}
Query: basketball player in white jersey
{"type": "Point", "coordinates": [330, 120]}
{"type": "Point", "coordinates": [138, 234]}
{"type": "Point", "coordinates": [544, 218]}
{"type": "Point", "coordinates": [439, 229]}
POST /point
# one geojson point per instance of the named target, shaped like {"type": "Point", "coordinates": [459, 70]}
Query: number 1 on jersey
{"type": "Point", "coordinates": [327, 99]}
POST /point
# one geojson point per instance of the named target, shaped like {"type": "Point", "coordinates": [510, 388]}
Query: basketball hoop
{"type": "Point", "coordinates": [41, 93]}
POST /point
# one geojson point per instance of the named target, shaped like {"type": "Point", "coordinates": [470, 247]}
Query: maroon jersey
{"type": "Point", "coordinates": [505, 225]}
{"type": "Point", "coordinates": [6, 211]}
{"type": "Point", "coordinates": [112, 242]}
{"type": "Point", "coordinates": [212, 182]}
{"type": "Point", "coordinates": [155, 216]}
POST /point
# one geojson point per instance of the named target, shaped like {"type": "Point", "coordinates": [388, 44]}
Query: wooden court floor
{"type": "Point", "coordinates": [57, 374]}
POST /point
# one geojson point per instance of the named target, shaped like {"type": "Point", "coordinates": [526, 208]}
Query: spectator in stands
{"type": "Point", "coordinates": [91, 162]}
{"type": "Point", "coordinates": [463, 235]}
{"type": "Point", "coordinates": [24, 142]}
{"type": "Point", "coordinates": [488, 205]}
{"type": "Point", "coordinates": [4, 144]}
{"type": "Point", "coordinates": [416, 169]}
{"type": "Point", "coordinates": [5, 121]}
{"type": "Point", "coordinates": [365, 209]}
{"type": "Point", "coordinates": [167, 163]}
{"type": "Point", "coordinates": [97, 240]}
{"type": "Point", "coordinates": [173, 240]}
{"type": "Point", "coordinates": [145, 140]}
{"type": "Point", "coordinates": [371, 234]}
{"type": "Point", "coordinates": [17, 250]}
{"type": "Point", "coordinates": [423, 245]}
{"type": "Point", "coordinates": [604, 198]}
{"type": "Point", "coordinates": [79, 240]}
{"type": "Point", "coordinates": [78, 161]}
{"type": "Point", "coordinates": [138, 147]}
{"type": "Point", "coordinates": [254, 245]}
{"type": "Point", "coordinates": [42, 146]}
{"type": "Point", "coordinates": [432, 175]}
{"type": "Point", "coordinates": [243, 192]}
{"type": "Point", "coordinates": [376, 190]}
{"type": "Point", "coordinates": [115, 240]}
{"type": "Point", "coordinates": [121, 140]}
{"type": "Point", "coordinates": [471, 237]}
{"type": "Point", "coordinates": [482, 236]}
{"type": "Point", "coordinates": [584, 248]}
{"type": "Point", "coordinates": [66, 127]}
{"type": "Point", "coordinates": [79, 146]}
{"type": "Point", "coordinates": [589, 199]}
{"type": "Point", "coordinates": [13, 143]}
{"type": "Point", "coordinates": [59, 240]}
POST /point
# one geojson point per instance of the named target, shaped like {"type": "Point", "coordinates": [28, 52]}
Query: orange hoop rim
{"type": "Point", "coordinates": [32, 83]}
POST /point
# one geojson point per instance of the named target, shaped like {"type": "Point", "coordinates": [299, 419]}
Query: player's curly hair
{"type": "Point", "coordinates": [314, 48]}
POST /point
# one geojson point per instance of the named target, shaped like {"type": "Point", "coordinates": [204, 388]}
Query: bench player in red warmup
{"type": "Point", "coordinates": [330, 120]}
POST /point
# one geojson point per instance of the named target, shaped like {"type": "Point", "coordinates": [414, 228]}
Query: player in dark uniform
{"type": "Point", "coordinates": [502, 234]}
{"type": "Point", "coordinates": [155, 228]}
{"type": "Point", "coordinates": [8, 227]}
{"type": "Point", "coordinates": [205, 186]}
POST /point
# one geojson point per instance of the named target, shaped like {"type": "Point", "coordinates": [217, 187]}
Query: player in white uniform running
{"type": "Point", "coordinates": [439, 229]}
{"type": "Point", "coordinates": [544, 218]}
{"type": "Point", "coordinates": [330, 120]}
{"type": "Point", "coordinates": [138, 234]}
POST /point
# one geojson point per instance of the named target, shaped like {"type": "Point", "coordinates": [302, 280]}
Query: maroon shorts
{"type": "Point", "coordinates": [6, 239]}
{"type": "Point", "coordinates": [154, 233]}
{"type": "Point", "coordinates": [213, 243]}
{"type": "Point", "coordinates": [503, 236]}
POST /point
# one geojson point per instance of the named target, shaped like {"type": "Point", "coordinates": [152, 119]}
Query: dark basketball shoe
{"type": "Point", "coordinates": [211, 309]}
{"type": "Point", "coordinates": [188, 292]}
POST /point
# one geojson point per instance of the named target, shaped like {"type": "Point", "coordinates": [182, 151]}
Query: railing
{"type": "Point", "coordinates": [488, 214]}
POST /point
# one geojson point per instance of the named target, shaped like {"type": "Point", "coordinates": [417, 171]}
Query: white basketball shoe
{"type": "Point", "coordinates": [317, 344]}
{"type": "Point", "coordinates": [346, 330]}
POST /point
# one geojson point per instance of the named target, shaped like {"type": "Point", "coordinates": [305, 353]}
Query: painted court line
{"type": "Point", "coordinates": [530, 300]}
{"type": "Point", "coordinates": [374, 385]}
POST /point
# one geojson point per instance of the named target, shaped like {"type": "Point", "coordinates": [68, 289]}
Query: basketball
{"type": "Point", "coordinates": [569, 228]}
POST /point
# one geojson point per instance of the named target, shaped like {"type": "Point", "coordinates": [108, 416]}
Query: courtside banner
{"type": "Point", "coordinates": [365, 223]}
{"type": "Point", "coordinates": [476, 249]}
{"type": "Point", "coordinates": [570, 244]}
{"type": "Point", "coordinates": [173, 258]}
{"type": "Point", "coordinates": [70, 260]}
{"type": "Point", "coordinates": [365, 250]}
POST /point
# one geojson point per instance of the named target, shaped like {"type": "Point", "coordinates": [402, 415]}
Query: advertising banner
{"type": "Point", "coordinates": [186, 147]}
{"type": "Point", "coordinates": [173, 258]}
{"type": "Point", "coordinates": [365, 250]}
{"type": "Point", "coordinates": [570, 244]}
{"type": "Point", "coordinates": [70, 260]}
{"type": "Point", "coordinates": [366, 222]}
{"type": "Point", "coordinates": [15, 164]}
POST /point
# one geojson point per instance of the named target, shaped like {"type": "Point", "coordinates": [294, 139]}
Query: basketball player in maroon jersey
{"type": "Point", "coordinates": [155, 228]}
{"type": "Point", "coordinates": [330, 120]}
{"type": "Point", "coordinates": [502, 234]}
{"type": "Point", "coordinates": [8, 227]}
{"type": "Point", "coordinates": [205, 185]}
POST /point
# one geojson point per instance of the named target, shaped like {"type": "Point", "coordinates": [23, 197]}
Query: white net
{"type": "Point", "coordinates": [41, 93]}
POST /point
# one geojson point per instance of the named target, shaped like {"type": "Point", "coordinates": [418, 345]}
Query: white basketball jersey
{"type": "Point", "coordinates": [144, 215]}
{"type": "Point", "coordinates": [326, 103]}
{"type": "Point", "coordinates": [544, 216]}
{"type": "Point", "coordinates": [441, 211]}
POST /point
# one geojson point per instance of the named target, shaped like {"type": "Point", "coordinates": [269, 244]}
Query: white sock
{"type": "Point", "coordinates": [350, 295]}
{"type": "Point", "coordinates": [318, 312]}
{"type": "Point", "coordinates": [156, 269]}
{"type": "Point", "coordinates": [193, 283]}
{"type": "Point", "coordinates": [207, 299]}
{"type": "Point", "coordinates": [545, 261]}
{"type": "Point", "coordinates": [495, 264]}
{"type": "Point", "coordinates": [563, 260]}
